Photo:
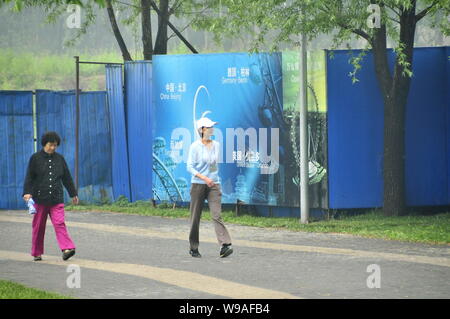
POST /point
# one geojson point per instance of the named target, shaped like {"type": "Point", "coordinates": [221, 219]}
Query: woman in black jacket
{"type": "Point", "coordinates": [46, 173]}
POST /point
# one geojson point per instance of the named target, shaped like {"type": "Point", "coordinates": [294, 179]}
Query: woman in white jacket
{"type": "Point", "coordinates": [205, 184]}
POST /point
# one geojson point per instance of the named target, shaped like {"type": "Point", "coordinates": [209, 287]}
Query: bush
{"type": "Point", "coordinates": [165, 205]}
{"type": "Point", "coordinates": [122, 201]}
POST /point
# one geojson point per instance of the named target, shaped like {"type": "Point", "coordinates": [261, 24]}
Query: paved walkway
{"type": "Point", "coordinates": [129, 256]}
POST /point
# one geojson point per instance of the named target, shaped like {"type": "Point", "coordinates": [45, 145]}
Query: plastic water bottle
{"type": "Point", "coordinates": [31, 209]}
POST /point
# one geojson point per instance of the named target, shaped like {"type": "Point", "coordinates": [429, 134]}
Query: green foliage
{"type": "Point", "coordinates": [56, 8]}
{"type": "Point", "coordinates": [11, 290]}
{"type": "Point", "coordinates": [279, 22]}
{"type": "Point", "coordinates": [165, 205]}
{"type": "Point", "coordinates": [356, 62]}
{"type": "Point", "coordinates": [129, 14]}
{"type": "Point", "coordinates": [27, 71]}
{"type": "Point", "coordinates": [122, 201]}
{"type": "Point", "coordinates": [414, 227]}
{"type": "Point", "coordinates": [402, 59]}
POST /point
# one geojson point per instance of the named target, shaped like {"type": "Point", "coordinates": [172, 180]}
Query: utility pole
{"type": "Point", "coordinates": [304, 156]}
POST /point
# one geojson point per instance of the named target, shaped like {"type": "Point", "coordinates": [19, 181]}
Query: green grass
{"type": "Point", "coordinates": [11, 290]}
{"type": "Point", "coordinates": [30, 71]}
{"type": "Point", "coordinates": [434, 229]}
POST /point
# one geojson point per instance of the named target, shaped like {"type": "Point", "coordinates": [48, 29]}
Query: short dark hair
{"type": "Point", "coordinates": [50, 137]}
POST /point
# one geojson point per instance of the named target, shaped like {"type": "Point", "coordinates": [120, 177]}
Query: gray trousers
{"type": "Point", "coordinates": [200, 192]}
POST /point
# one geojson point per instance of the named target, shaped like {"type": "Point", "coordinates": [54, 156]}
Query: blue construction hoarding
{"type": "Point", "coordinates": [135, 137]}
{"type": "Point", "coordinates": [355, 131]}
{"type": "Point", "coordinates": [16, 134]}
{"type": "Point", "coordinates": [56, 111]}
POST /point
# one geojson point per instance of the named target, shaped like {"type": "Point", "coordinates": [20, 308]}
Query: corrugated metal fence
{"type": "Point", "coordinates": [16, 134]}
{"type": "Point", "coordinates": [56, 112]}
{"type": "Point", "coordinates": [115, 155]}
{"type": "Point", "coordinates": [138, 88]}
{"type": "Point", "coordinates": [115, 96]}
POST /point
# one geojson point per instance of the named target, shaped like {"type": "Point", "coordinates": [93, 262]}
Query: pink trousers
{"type": "Point", "coordinates": [39, 222]}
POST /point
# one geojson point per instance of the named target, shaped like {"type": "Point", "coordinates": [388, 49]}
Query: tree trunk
{"type": "Point", "coordinates": [112, 19]}
{"type": "Point", "coordinates": [161, 37]}
{"type": "Point", "coordinates": [146, 30]}
{"type": "Point", "coordinates": [395, 90]}
{"type": "Point", "coordinates": [394, 157]}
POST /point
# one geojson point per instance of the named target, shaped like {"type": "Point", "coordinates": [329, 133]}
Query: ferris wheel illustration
{"type": "Point", "coordinates": [167, 187]}
{"type": "Point", "coordinates": [271, 113]}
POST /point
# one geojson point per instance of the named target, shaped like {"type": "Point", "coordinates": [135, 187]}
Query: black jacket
{"type": "Point", "coordinates": [45, 173]}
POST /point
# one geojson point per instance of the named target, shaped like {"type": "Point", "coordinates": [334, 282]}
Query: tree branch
{"type": "Point", "coordinates": [175, 6]}
{"type": "Point", "coordinates": [182, 30]}
{"type": "Point", "coordinates": [403, 64]}
{"type": "Point", "coordinates": [359, 32]}
{"type": "Point", "coordinates": [146, 25]}
{"type": "Point", "coordinates": [343, 25]}
{"type": "Point", "coordinates": [393, 10]}
{"type": "Point", "coordinates": [112, 19]}
{"type": "Point", "coordinates": [425, 11]}
{"type": "Point", "coordinates": [180, 36]}
{"type": "Point", "coordinates": [395, 20]}
{"type": "Point", "coordinates": [129, 4]}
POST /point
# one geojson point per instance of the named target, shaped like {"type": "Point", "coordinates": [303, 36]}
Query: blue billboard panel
{"type": "Point", "coordinates": [244, 94]}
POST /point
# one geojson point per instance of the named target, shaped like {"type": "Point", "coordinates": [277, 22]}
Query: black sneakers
{"type": "Point", "coordinates": [226, 250]}
{"type": "Point", "coordinates": [68, 253]}
{"type": "Point", "coordinates": [37, 258]}
{"type": "Point", "coordinates": [195, 253]}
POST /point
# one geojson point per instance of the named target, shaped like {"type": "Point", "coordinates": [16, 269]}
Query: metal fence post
{"type": "Point", "coordinates": [77, 117]}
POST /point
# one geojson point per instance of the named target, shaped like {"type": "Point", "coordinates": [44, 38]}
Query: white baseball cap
{"type": "Point", "coordinates": [205, 122]}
